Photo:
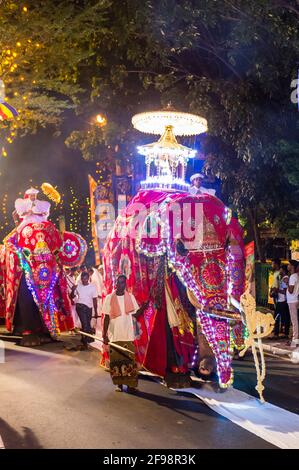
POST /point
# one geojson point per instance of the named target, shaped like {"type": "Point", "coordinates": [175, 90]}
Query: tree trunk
{"type": "Point", "coordinates": [256, 234]}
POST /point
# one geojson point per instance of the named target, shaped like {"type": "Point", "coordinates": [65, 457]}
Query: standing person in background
{"type": "Point", "coordinates": [276, 264]}
{"type": "Point", "coordinates": [119, 308]}
{"type": "Point", "coordinates": [85, 295]}
{"type": "Point", "coordinates": [96, 279]}
{"type": "Point", "coordinates": [71, 284]}
{"type": "Point", "coordinates": [82, 269]}
{"type": "Point", "coordinates": [292, 300]}
{"type": "Point", "coordinates": [282, 314]}
{"type": "Point", "coordinates": [100, 269]}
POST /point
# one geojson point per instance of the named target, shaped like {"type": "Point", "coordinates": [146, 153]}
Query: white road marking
{"type": "Point", "coordinates": [269, 422]}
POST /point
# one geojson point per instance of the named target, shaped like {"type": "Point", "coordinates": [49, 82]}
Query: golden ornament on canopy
{"type": "Point", "coordinates": [167, 142]}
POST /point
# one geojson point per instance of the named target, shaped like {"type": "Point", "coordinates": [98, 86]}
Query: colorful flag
{"type": "Point", "coordinates": [7, 111]}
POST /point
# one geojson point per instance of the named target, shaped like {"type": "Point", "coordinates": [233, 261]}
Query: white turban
{"type": "Point", "coordinates": [196, 175]}
{"type": "Point", "coordinates": [31, 191]}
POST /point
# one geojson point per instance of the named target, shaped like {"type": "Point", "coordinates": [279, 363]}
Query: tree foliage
{"type": "Point", "coordinates": [231, 61]}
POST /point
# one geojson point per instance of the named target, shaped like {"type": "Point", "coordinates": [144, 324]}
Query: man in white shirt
{"type": "Point", "coordinates": [85, 295]}
{"type": "Point", "coordinates": [96, 279]}
{"type": "Point", "coordinates": [197, 188]}
{"type": "Point", "coordinates": [71, 285]}
{"type": "Point", "coordinates": [292, 300]}
{"type": "Point", "coordinates": [30, 209]}
{"type": "Point", "coordinates": [119, 309]}
{"type": "Point", "coordinates": [282, 314]}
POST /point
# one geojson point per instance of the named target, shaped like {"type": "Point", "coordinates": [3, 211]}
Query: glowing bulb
{"type": "Point", "coordinates": [101, 120]}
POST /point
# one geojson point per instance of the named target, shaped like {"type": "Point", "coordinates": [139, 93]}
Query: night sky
{"type": "Point", "coordinates": [43, 158]}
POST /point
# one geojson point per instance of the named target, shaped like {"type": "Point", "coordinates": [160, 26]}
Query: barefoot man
{"type": "Point", "coordinates": [119, 309]}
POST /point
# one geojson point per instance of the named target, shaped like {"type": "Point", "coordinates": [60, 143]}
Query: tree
{"type": "Point", "coordinates": [71, 55]}
{"type": "Point", "coordinates": [234, 64]}
{"type": "Point", "coordinates": [231, 60]}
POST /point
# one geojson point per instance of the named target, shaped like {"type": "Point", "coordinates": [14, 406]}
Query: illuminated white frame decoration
{"type": "Point", "coordinates": [166, 160]}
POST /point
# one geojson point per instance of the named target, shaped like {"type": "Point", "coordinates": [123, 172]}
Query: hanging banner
{"type": "Point", "coordinates": [92, 189]}
{"type": "Point", "coordinates": [122, 191]}
{"type": "Point", "coordinates": [102, 216]}
{"type": "Point", "coordinates": [102, 212]}
{"type": "Point", "coordinates": [249, 269]}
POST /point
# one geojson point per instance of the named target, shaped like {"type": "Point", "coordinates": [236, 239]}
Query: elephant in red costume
{"type": "Point", "coordinates": [33, 289]}
{"type": "Point", "coordinates": [185, 255]}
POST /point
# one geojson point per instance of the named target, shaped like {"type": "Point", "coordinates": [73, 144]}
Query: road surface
{"type": "Point", "coordinates": [53, 398]}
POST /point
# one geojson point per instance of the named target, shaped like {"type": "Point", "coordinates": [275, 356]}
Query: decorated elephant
{"type": "Point", "coordinates": [184, 254]}
{"type": "Point", "coordinates": [33, 289]}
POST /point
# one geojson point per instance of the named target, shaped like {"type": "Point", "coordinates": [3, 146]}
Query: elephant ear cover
{"type": "Point", "coordinates": [73, 250]}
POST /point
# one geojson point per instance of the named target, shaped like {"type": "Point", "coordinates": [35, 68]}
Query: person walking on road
{"type": "Point", "coordinates": [86, 298]}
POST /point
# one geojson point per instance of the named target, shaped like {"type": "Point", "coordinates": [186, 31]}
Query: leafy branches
{"type": "Point", "coordinates": [231, 61]}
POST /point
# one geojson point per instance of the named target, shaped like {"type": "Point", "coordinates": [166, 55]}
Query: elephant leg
{"type": "Point", "coordinates": [207, 367]}
{"type": "Point", "coordinates": [27, 318]}
{"type": "Point", "coordinates": [45, 338]}
{"type": "Point", "coordinates": [35, 339]}
{"type": "Point", "coordinates": [30, 340]}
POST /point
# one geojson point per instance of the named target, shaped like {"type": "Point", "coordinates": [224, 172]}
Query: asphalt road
{"type": "Point", "coordinates": [52, 398]}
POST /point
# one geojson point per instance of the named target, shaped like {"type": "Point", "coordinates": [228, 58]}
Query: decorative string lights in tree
{"type": "Point", "coordinates": [4, 218]}
{"type": "Point", "coordinates": [77, 214]}
{"type": "Point", "coordinates": [27, 78]}
{"type": "Point", "coordinates": [7, 112]}
{"type": "Point", "coordinates": [88, 228]}
{"type": "Point", "coordinates": [74, 214]}
{"type": "Point", "coordinates": [58, 210]}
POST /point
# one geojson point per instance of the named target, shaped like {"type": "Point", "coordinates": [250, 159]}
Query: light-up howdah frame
{"type": "Point", "coordinates": [166, 160]}
{"type": "Point", "coordinates": [154, 122]}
